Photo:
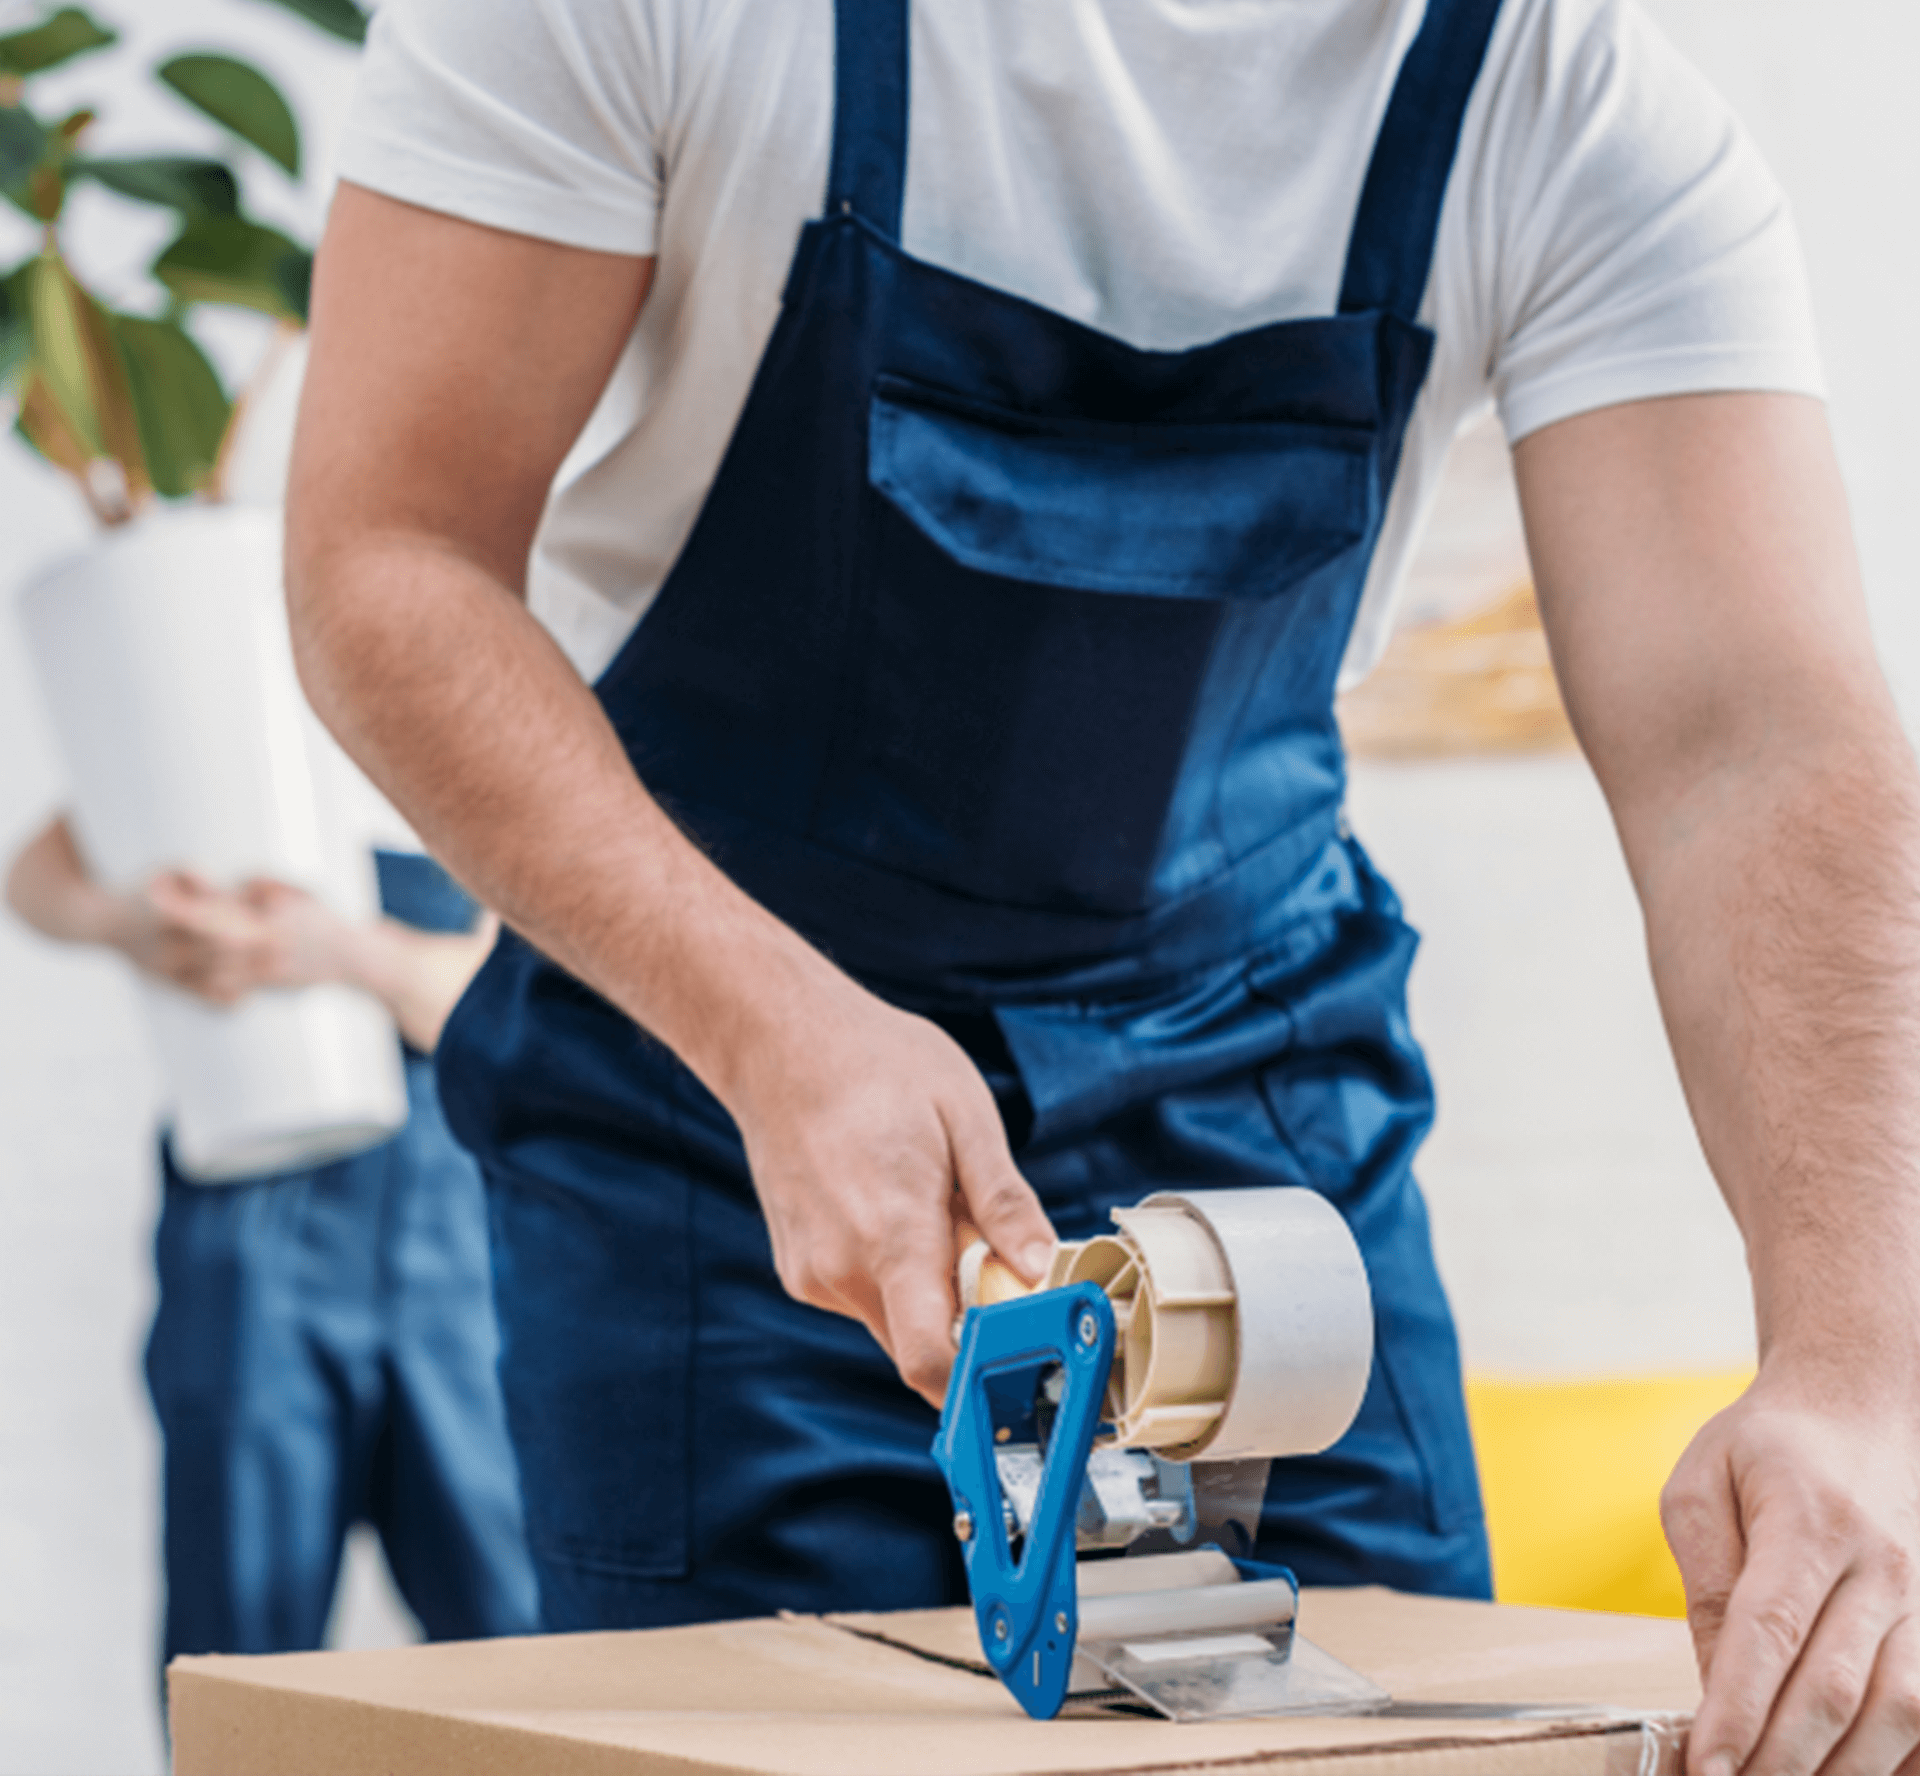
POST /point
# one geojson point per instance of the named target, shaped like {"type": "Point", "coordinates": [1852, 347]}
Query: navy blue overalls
{"type": "Point", "coordinates": [1000, 663]}
{"type": "Point", "coordinates": [324, 1354]}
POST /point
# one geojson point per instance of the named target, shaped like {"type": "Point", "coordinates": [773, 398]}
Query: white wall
{"type": "Point", "coordinates": [1576, 1226]}
{"type": "Point", "coordinates": [1827, 92]}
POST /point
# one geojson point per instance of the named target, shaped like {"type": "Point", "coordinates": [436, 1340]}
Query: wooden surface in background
{"type": "Point", "coordinates": [1481, 683]}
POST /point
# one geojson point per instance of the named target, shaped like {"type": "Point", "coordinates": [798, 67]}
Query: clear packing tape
{"type": "Point", "coordinates": [1244, 1321]}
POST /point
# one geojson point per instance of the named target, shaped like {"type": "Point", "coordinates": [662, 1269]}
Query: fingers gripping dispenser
{"type": "Point", "coordinates": [1133, 1401]}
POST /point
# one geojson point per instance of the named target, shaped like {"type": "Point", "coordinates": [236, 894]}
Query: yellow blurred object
{"type": "Point", "coordinates": [1572, 1473]}
{"type": "Point", "coordinates": [1481, 683]}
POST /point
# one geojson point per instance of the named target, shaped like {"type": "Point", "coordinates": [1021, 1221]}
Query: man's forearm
{"type": "Point", "coordinates": [426, 447]}
{"type": "Point", "coordinates": [453, 698]}
{"type": "Point", "coordinates": [1780, 895]}
{"type": "Point", "coordinates": [1783, 916]}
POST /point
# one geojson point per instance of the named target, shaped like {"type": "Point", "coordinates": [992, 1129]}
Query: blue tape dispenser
{"type": "Point", "coordinates": [1129, 1406]}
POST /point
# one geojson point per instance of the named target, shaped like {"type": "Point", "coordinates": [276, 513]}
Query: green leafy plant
{"type": "Point", "coordinates": [128, 404]}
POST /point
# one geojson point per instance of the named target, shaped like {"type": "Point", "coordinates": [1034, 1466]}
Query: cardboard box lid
{"type": "Point", "coordinates": [875, 1695]}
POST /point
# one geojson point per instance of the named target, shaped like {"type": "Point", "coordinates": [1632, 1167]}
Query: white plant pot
{"type": "Point", "coordinates": [165, 661]}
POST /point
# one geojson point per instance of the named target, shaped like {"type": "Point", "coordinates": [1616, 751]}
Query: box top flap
{"type": "Point", "coordinates": [865, 1695]}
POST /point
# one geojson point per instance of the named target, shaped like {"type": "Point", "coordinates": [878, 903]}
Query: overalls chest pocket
{"type": "Point", "coordinates": [1061, 625]}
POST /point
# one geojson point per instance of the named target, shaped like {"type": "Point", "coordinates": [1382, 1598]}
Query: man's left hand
{"type": "Point", "coordinates": [1795, 1517]}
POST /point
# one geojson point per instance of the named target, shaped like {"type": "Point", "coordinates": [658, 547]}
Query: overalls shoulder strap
{"type": "Point", "coordinates": [869, 171]}
{"type": "Point", "coordinates": [1399, 216]}
{"type": "Point", "coordinates": [1399, 213]}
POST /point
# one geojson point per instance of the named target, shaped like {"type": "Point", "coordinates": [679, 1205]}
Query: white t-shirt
{"type": "Point", "coordinates": [1169, 171]}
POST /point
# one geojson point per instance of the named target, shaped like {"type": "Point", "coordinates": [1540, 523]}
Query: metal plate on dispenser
{"type": "Point", "coordinates": [1235, 1675]}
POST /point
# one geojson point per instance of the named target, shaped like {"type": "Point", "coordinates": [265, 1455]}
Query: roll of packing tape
{"type": "Point", "coordinates": [1303, 1320]}
{"type": "Point", "coordinates": [1243, 1321]}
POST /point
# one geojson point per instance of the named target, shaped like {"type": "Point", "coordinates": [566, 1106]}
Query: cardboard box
{"type": "Point", "coordinates": [881, 1695]}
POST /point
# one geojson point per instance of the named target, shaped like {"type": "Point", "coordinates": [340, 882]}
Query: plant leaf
{"type": "Point", "coordinates": [239, 98]}
{"type": "Point", "coordinates": [47, 429]}
{"type": "Point", "coordinates": [33, 160]}
{"type": "Point", "coordinates": [23, 140]}
{"type": "Point", "coordinates": [77, 398]}
{"type": "Point", "coordinates": [60, 357]}
{"type": "Point", "coordinates": [180, 407]}
{"type": "Point", "coordinates": [193, 187]}
{"type": "Point", "coordinates": [119, 423]}
{"type": "Point", "coordinates": [295, 277]}
{"type": "Point", "coordinates": [68, 33]}
{"type": "Point", "coordinates": [16, 331]}
{"type": "Point", "coordinates": [46, 193]}
{"type": "Point", "coordinates": [228, 259]}
{"type": "Point", "coordinates": [342, 17]}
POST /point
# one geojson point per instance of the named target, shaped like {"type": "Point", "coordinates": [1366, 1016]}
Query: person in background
{"type": "Point", "coordinates": [324, 1348]}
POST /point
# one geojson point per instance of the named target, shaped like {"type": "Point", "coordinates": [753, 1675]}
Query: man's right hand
{"type": "Point", "coordinates": [869, 1141]}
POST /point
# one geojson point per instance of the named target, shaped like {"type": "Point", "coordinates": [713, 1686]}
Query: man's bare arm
{"type": "Point", "coordinates": [452, 367]}
{"type": "Point", "coordinates": [1701, 594]}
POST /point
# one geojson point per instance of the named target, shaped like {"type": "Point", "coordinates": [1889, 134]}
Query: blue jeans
{"type": "Point", "coordinates": [324, 1353]}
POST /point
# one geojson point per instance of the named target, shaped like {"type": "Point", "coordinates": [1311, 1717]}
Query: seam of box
{"type": "Point", "coordinates": [1595, 1728]}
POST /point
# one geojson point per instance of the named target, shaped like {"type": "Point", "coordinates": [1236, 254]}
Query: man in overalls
{"type": "Point", "coordinates": [1009, 418]}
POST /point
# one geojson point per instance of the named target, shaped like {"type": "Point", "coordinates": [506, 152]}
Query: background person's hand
{"type": "Point", "coordinates": [1795, 1518]}
{"type": "Point", "coordinates": [180, 929]}
{"type": "Point", "coordinates": [306, 943]}
{"type": "Point", "coordinates": [869, 1140]}
{"type": "Point", "coordinates": [418, 976]}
